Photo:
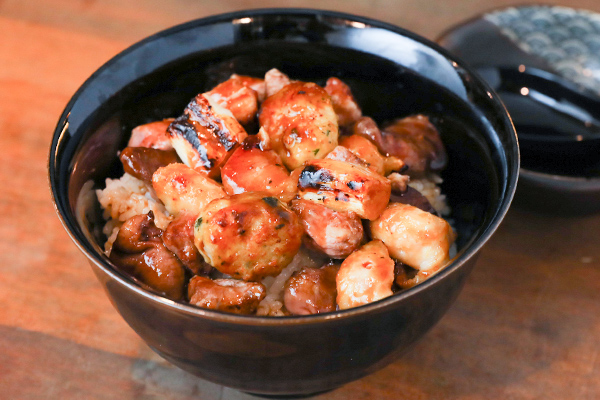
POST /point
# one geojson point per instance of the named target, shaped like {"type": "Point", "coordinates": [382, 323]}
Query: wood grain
{"type": "Point", "coordinates": [525, 327]}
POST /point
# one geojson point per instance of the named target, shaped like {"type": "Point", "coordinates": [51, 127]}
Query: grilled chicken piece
{"type": "Point", "coordinates": [335, 233]}
{"type": "Point", "coordinates": [415, 237]}
{"type": "Point", "coordinates": [342, 153]}
{"type": "Point", "coordinates": [252, 169]}
{"type": "Point", "coordinates": [204, 135]}
{"type": "Point", "coordinates": [344, 104]}
{"type": "Point", "coordinates": [248, 235]}
{"type": "Point", "coordinates": [365, 276]}
{"type": "Point", "coordinates": [368, 151]}
{"type": "Point", "coordinates": [153, 135]}
{"type": "Point", "coordinates": [342, 186]}
{"type": "Point", "coordinates": [229, 295]}
{"type": "Point", "coordinates": [183, 189]}
{"type": "Point", "coordinates": [275, 80]}
{"type": "Point", "coordinates": [300, 122]}
{"type": "Point", "coordinates": [237, 94]}
{"type": "Point", "coordinates": [256, 84]}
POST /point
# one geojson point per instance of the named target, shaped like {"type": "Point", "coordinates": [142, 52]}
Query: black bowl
{"type": "Point", "coordinates": [527, 54]}
{"type": "Point", "coordinates": [393, 73]}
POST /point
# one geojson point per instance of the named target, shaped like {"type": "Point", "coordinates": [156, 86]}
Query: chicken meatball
{"type": "Point", "coordinates": [248, 235]}
{"type": "Point", "coordinates": [301, 123]}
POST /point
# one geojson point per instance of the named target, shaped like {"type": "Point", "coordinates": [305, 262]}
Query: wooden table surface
{"type": "Point", "coordinates": [526, 326]}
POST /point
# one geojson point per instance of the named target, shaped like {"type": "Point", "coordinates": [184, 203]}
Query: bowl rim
{"type": "Point", "coordinates": [567, 182]}
{"type": "Point", "coordinates": [252, 320]}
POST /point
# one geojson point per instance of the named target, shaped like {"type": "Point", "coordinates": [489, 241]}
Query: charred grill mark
{"type": "Point", "coordinates": [210, 121]}
{"type": "Point", "coordinates": [354, 185]}
{"type": "Point", "coordinates": [182, 126]}
{"type": "Point", "coordinates": [315, 178]}
{"type": "Point", "coordinates": [341, 196]}
{"type": "Point", "coordinates": [272, 201]}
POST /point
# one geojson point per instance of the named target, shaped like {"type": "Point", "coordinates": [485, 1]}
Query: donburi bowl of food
{"type": "Point", "coordinates": [283, 201]}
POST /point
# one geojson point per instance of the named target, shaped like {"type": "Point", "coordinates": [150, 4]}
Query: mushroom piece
{"type": "Point", "coordinates": [311, 291]}
{"type": "Point", "coordinates": [139, 251]}
{"type": "Point", "coordinates": [142, 162]}
{"type": "Point", "coordinates": [417, 142]}
{"type": "Point", "coordinates": [229, 295]}
{"type": "Point", "coordinates": [179, 238]}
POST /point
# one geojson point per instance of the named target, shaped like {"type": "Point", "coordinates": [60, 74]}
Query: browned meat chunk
{"type": "Point", "coordinates": [252, 169]}
{"type": "Point", "coordinates": [152, 135]}
{"type": "Point", "coordinates": [311, 291]}
{"type": "Point", "coordinates": [300, 122]}
{"type": "Point", "coordinates": [417, 142]}
{"type": "Point", "coordinates": [229, 295]}
{"type": "Point", "coordinates": [344, 187]}
{"type": "Point", "coordinates": [335, 233]}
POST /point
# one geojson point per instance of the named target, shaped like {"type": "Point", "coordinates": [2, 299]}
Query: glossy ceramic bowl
{"type": "Point", "coordinates": [393, 73]}
{"type": "Point", "coordinates": [544, 63]}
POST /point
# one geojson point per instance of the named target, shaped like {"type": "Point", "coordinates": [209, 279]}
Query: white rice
{"type": "Point", "coordinates": [125, 198]}
{"type": "Point", "coordinates": [429, 187]}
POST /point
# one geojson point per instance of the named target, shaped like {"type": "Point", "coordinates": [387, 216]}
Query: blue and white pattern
{"type": "Point", "coordinates": [568, 39]}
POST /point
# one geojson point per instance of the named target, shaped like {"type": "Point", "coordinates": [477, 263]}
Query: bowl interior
{"type": "Point", "coordinates": [392, 74]}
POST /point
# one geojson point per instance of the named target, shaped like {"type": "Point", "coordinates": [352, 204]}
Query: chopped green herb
{"type": "Point", "coordinates": [198, 223]}
{"type": "Point", "coordinates": [272, 201]}
{"type": "Point", "coordinates": [315, 151]}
